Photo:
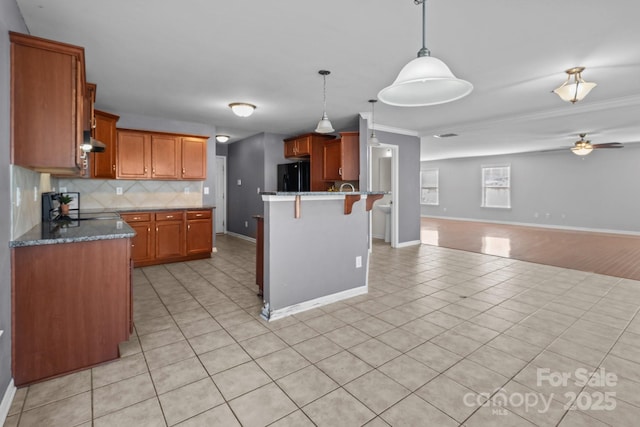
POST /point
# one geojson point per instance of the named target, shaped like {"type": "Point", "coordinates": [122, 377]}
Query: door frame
{"type": "Point", "coordinates": [221, 208]}
{"type": "Point", "coordinates": [395, 187]}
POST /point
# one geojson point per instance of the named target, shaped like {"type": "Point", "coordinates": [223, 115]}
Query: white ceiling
{"type": "Point", "coordinates": [187, 60]}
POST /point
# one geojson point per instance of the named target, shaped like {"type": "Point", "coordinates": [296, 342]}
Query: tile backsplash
{"type": "Point", "coordinates": [26, 202]}
{"type": "Point", "coordinates": [102, 193]}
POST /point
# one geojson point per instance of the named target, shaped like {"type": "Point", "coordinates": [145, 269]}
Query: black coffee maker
{"type": "Point", "coordinates": [50, 205]}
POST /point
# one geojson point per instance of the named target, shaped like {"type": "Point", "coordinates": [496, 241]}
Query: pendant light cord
{"type": "Point", "coordinates": [424, 51]}
{"type": "Point", "coordinates": [324, 93]}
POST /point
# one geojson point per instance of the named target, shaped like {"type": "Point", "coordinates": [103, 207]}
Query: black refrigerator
{"type": "Point", "coordinates": [294, 176]}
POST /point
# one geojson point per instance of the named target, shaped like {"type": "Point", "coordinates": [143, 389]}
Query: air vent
{"type": "Point", "coordinates": [446, 135]}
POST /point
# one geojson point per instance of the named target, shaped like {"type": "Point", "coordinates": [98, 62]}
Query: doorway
{"type": "Point", "coordinates": [221, 195]}
{"type": "Point", "coordinates": [383, 176]}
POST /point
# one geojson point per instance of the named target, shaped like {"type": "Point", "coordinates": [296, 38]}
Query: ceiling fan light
{"type": "Point", "coordinates": [582, 148]}
{"type": "Point", "coordinates": [242, 109]}
{"type": "Point", "coordinates": [425, 81]}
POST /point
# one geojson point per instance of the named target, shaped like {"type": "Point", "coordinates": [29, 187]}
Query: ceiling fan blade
{"type": "Point", "coordinates": [609, 145]}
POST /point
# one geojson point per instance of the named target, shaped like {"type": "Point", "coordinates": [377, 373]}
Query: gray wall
{"type": "Point", "coordinates": [600, 191]}
{"type": "Point", "coordinates": [313, 256]}
{"type": "Point", "coordinates": [245, 162]}
{"type": "Point", "coordinates": [408, 179]}
{"type": "Point", "coordinates": [10, 20]}
{"type": "Point", "coordinates": [253, 160]}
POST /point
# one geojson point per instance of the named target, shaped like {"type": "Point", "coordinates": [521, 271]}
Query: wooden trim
{"type": "Point", "coordinates": [155, 132]}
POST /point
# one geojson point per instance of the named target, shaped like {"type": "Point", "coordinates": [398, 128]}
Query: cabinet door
{"type": "Point", "coordinates": [303, 146]}
{"type": "Point", "coordinates": [142, 244]}
{"type": "Point", "coordinates": [103, 165]}
{"type": "Point", "coordinates": [290, 149]}
{"type": "Point", "coordinates": [47, 105]}
{"type": "Point", "coordinates": [332, 160]}
{"type": "Point", "coordinates": [165, 157]}
{"type": "Point", "coordinates": [194, 158]}
{"type": "Point", "coordinates": [199, 233]}
{"type": "Point", "coordinates": [134, 155]}
{"type": "Point", "coordinates": [350, 156]}
{"type": "Point", "coordinates": [170, 238]}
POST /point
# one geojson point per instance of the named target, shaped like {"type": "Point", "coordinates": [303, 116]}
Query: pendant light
{"type": "Point", "coordinates": [324, 125]}
{"type": "Point", "coordinates": [576, 90]}
{"type": "Point", "coordinates": [373, 140]}
{"type": "Point", "coordinates": [425, 80]}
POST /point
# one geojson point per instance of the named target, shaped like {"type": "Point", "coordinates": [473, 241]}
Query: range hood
{"type": "Point", "coordinates": [90, 144]}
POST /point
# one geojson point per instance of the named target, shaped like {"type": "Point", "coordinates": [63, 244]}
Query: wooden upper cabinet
{"type": "Point", "coordinates": [103, 165]}
{"type": "Point", "coordinates": [133, 154]}
{"type": "Point", "coordinates": [341, 158]}
{"type": "Point", "coordinates": [89, 116]}
{"type": "Point", "coordinates": [47, 104]}
{"type": "Point", "coordinates": [299, 146]}
{"type": "Point", "coordinates": [165, 156]}
{"type": "Point", "coordinates": [154, 155]}
{"type": "Point", "coordinates": [194, 158]}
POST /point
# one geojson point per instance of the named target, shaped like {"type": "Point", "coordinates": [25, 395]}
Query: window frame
{"type": "Point", "coordinates": [436, 188]}
{"type": "Point", "coordinates": [485, 187]}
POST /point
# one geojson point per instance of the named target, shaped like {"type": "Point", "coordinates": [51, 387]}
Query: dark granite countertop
{"type": "Point", "coordinates": [71, 231]}
{"type": "Point", "coordinates": [51, 233]}
{"type": "Point", "coordinates": [321, 193]}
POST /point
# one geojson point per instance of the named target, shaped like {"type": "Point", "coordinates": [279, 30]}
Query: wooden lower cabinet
{"type": "Point", "coordinates": [170, 236]}
{"type": "Point", "coordinates": [67, 317]}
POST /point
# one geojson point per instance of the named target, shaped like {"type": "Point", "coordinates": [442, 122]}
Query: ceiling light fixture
{"type": "Point", "coordinates": [425, 80]}
{"type": "Point", "coordinates": [582, 147]}
{"type": "Point", "coordinates": [222, 138]}
{"type": "Point", "coordinates": [574, 91]}
{"type": "Point", "coordinates": [373, 140]}
{"type": "Point", "coordinates": [242, 109]}
{"type": "Point", "coordinates": [324, 125]}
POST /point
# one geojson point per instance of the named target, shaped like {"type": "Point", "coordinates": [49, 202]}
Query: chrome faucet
{"type": "Point", "coordinates": [349, 184]}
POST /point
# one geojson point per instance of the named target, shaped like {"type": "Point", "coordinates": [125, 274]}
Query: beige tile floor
{"type": "Point", "coordinates": [443, 338]}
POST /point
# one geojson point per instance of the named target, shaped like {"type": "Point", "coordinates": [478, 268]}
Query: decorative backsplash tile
{"type": "Point", "coordinates": [101, 193]}
{"type": "Point", "coordinates": [26, 212]}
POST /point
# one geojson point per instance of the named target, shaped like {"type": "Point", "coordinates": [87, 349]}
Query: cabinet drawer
{"type": "Point", "coordinates": [198, 214]}
{"type": "Point", "coordinates": [169, 216]}
{"type": "Point", "coordinates": [137, 217]}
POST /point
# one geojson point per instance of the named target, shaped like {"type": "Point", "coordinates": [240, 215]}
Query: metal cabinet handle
{"type": "Point", "coordinates": [184, 170]}
{"type": "Point", "coordinates": [189, 227]}
{"type": "Point", "coordinates": [136, 217]}
{"type": "Point", "coordinates": [169, 216]}
{"type": "Point", "coordinates": [113, 166]}
{"type": "Point", "coordinates": [198, 214]}
{"type": "Point", "coordinates": [145, 170]}
{"type": "Point", "coordinates": [340, 171]}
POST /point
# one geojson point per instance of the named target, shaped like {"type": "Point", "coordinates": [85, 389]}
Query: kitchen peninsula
{"type": "Point", "coordinates": [316, 249]}
{"type": "Point", "coordinates": [71, 296]}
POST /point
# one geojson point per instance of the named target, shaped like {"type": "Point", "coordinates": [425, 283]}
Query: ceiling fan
{"type": "Point", "coordinates": [584, 147]}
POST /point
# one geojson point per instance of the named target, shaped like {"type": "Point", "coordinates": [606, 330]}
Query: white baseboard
{"type": "Point", "coordinates": [7, 399]}
{"type": "Point", "coordinates": [530, 224]}
{"type": "Point", "coordinates": [318, 302]}
{"type": "Point", "coordinates": [241, 236]}
{"type": "Point", "coordinates": [409, 243]}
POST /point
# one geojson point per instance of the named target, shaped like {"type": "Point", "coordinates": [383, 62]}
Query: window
{"type": "Point", "coordinates": [496, 186]}
{"type": "Point", "coordinates": [429, 187]}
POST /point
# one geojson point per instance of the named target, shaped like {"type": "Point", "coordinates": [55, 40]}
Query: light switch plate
{"type": "Point", "coordinates": [206, 190]}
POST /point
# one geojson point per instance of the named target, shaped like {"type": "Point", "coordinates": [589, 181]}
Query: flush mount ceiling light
{"type": "Point", "coordinates": [576, 90]}
{"type": "Point", "coordinates": [425, 80]}
{"type": "Point", "coordinates": [373, 140]}
{"type": "Point", "coordinates": [582, 147]}
{"type": "Point", "coordinates": [324, 125]}
{"type": "Point", "coordinates": [222, 138]}
{"type": "Point", "coordinates": [242, 109]}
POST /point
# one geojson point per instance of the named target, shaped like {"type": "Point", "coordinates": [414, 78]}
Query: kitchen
{"type": "Point", "coordinates": [252, 162]}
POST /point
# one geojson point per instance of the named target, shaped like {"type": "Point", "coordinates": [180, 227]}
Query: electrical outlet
{"type": "Point", "coordinates": [119, 191]}
{"type": "Point", "coordinates": [258, 191]}
{"type": "Point", "coordinates": [358, 262]}
{"type": "Point", "coordinates": [187, 190]}
{"type": "Point", "coordinates": [239, 182]}
{"type": "Point", "coordinates": [246, 224]}
{"type": "Point", "coordinates": [62, 189]}
{"type": "Point", "coordinates": [206, 190]}
{"type": "Point", "coordinates": [18, 196]}
{"type": "Point", "coordinates": [35, 193]}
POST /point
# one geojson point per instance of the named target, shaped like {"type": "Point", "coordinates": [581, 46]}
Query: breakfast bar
{"type": "Point", "coordinates": [316, 249]}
